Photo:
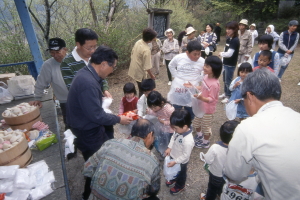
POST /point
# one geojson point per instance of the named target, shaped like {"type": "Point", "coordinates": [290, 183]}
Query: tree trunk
{"type": "Point", "coordinates": [93, 12]}
{"type": "Point", "coordinates": [112, 9]}
{"type": "Point", "coordinates": [48, 21]}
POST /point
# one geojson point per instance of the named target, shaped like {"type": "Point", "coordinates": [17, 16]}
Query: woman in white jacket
{"type": "Point", "coordinates": [270, 30]}
{"type": "Point", "coordinates": [253, 32]}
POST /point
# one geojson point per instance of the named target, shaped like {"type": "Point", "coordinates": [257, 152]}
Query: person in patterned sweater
{"type": "Point", "coordinates": [125, 168]}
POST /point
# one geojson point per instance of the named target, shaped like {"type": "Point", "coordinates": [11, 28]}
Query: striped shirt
{"type": "Point", "coordinates": [71, 64]}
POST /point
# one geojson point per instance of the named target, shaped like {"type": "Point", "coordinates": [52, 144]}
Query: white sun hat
{"type": "Point", "coordinates": [190, 30]}
{"type": "Point", "coordinates": [169, 30]}
{"type": "Point", "coordinates": [244, 21]}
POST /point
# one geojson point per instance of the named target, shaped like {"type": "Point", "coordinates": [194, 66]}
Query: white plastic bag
{"type": "Point", "coordinates": [41, 191]}
{"type": "Point", "coordinates": [69, 146]}
{"type": "Point", "coordinates": [170, 172]}
{"type": "Point", "coordinates": [285, 60]}
{"type": "Point", "coordinates": [205, 165]}
{"type": "Point", "coordinates": [18, 194]}
{"type": "Point", "coordinates": [23, 180]}
{"type": "Point", "coordinates": [8, 171]}
{"type": "Point", "coordinates": [5, 96]}
{"type": "Point", "coordinates": [106, 102]}
{"type": "Point", "coordinates": [6, 185]}
{"type": "Point", "coordinates": [126, 129]}
{"type": "Point", "coordinates": [179, 94]}
{"type": "Point", "coordinates": [231, 110]}
{"type": "Point", "coordinates": [198, 107]}
{"type": "Point", "coordinates": [21, 86]}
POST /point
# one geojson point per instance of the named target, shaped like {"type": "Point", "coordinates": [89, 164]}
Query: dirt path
{"type": "Point", "coordinates": [197, 178]}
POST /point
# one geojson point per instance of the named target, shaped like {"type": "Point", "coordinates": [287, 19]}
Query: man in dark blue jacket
{"type": "Point", "coordinates": [85, 114]}
{"type": "Point", "coordinates": [288, 41]}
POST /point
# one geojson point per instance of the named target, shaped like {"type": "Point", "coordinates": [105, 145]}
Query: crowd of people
{"type": "Point", "coordinates": [253, 158]}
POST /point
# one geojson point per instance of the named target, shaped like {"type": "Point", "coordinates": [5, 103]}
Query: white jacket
{"type": "Point", "coordinates": [273, 34]}
{"type": "Point", "coordinates": [269, 142]}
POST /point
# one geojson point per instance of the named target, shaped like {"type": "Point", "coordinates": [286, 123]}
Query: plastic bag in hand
{"type": "Point", "coordinates": [106, 102]}
{"type": "Point", "coordinates": [179, 94]}
{"type": "Point", "coordinates": [285, 60]}
{"type": "Point", "coordinates": [231, 110]}
{"type": "Point", "coordinates": [170, 172]}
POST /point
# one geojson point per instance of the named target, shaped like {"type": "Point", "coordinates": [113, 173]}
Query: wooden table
{"type": "Point", "coordinates": [54, 154]}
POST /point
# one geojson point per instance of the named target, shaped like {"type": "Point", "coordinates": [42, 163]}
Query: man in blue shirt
{"type": "Point", "coordinates": [85, 114]}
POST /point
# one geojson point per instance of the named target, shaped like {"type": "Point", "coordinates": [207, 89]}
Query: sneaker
{"type": "Point", "coordinates": [280, 80]}
{"type": "Point", "coordinates": [298, 83]}
{"type": "Point", "coordinates": [170, 83]}
{"type": "Point", "coordinates": [222, 96]}
{"type": "Point", "coordinates": [170, 183]}
{"type": "Point", "coordinates": [225, 100]}
{"type": "Point", "coordinates": [202, 145]}
{"type": "Point", "coordinates": [198, 138]}
{"type": "Point", "coordinates": [176, 190]}
{"type": "Point", "coordinates": [202, 196]}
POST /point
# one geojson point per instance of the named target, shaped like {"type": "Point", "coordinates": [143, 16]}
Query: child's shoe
{"type": "Point", "coordinates": [202, 196]}
{"type": "Point", "coordinates": [176, 190]}
{"type": "Point", "coordinates": [198, 138]}
{"type": "Point", "coordinates": [170, 183]}
{"type": "Point", "coordinates": [202, 145]}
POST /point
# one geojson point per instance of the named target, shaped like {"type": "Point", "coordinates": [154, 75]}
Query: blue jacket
{"type": "Point", "coordinates": [255, 61]}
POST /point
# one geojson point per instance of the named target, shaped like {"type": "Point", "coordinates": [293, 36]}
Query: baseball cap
{"type": "Point", "coordinates": [56, 44]}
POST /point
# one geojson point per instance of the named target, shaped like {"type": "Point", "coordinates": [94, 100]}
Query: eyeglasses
{"type": "Point", "coordinates": [90, 49]}
{"type": "Point", "coordinates": [114, 68]}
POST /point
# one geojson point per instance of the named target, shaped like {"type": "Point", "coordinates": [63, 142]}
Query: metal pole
{"type": "Point", "coordinates": [30, 33]}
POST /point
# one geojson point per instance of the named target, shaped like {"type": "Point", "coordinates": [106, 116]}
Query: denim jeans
{"type": "Point", "coordinates": [227, 78]}
{"type": "Point", "coordinates": [189, 109]}
{"type": "Point", "coordinates": [215, 186]}
{"type": "Point", "coordinates": [283, 68]}
{"type": "Point", "coordinates": [181, 176]}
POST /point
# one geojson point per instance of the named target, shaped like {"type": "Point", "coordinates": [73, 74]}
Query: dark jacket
{"type": "Point", "coordinates": [85, 114]}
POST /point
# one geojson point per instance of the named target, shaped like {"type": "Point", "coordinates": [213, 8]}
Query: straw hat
{"type": "Point", "coordinates": [190, 30]}
{"type": "Point", "coordinates": [244, 21]}
{"type": "Point", "coordinates": [169, 30]}
{"type": "Point", "coordinates": [253, 25]}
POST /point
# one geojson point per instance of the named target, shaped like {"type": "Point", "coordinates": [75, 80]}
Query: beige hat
{"type": "Point", "coordinates": [190, 30]}
{"type": "Point", "coordinates": [244, 21]}
{"type": "Point", "coordinates": [253, 25]}
{"type": "Point", "coordinates": [169, 30]}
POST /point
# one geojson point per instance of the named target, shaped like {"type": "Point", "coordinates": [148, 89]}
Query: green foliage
{"type": "Point", "coordinates": [13, 43]}
{"type": "Point", "coordinates": [180, 17]}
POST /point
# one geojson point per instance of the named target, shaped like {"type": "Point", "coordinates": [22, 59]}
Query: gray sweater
{"type": "Point", "coordinates": [51, 74]}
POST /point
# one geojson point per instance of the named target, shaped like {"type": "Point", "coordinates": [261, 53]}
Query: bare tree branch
{"type": "Point", "coordinates": [35, 18]}
{"type": "Point", "coordinates": [52, 3]}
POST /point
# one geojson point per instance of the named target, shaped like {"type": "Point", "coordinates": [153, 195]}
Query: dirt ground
{"type": "Point", "coordinates": [197, 178]}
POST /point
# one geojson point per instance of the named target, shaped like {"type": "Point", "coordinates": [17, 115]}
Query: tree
{"type": "Point", "coordinates": [46, 27]}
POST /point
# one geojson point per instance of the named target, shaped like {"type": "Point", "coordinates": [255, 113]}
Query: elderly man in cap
{"type": "Point", "coordinates": [268, 141]}
{"type": "Point", "coordinates": [288, 41]}
{"type": "Point", "coordinates": [125, 168]}
{"type": "Point", "coordinates": [245, 38]}
{"type": "Point", "coordinates": [51, 74]}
